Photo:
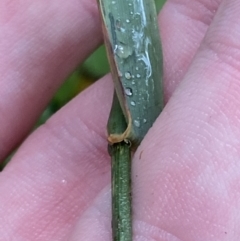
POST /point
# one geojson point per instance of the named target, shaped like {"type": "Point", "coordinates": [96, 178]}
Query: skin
{"type": "Point", "coordinates": [186, 172]}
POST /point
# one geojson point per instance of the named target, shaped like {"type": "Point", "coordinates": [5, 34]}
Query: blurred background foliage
{"type": "Point", "coordinates": [92, 69]}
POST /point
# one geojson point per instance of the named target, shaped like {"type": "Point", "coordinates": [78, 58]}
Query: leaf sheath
{"type": "Point", "coordinates": [133, 44]}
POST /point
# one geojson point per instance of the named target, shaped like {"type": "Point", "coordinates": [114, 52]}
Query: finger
{"type": "Point", "coordinates": [58, 171]}
{"type": "Point", "coordinates": [41, 43]}
{"type": "Point", "coordinates": [187, 169]}
{"type": "Point", "coordinates": [95, 223]}
{"type": "Point", "coordinates": [183, 25]}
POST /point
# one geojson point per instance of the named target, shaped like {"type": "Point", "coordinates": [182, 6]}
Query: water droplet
{"type": "Point", "coordinates": [127, 21]}
{"type": "Point", "coordinates": [138, 75]}
{"type": "Point", "coordinates": [131, 12]}
{"type": "Point", "coordinates": [144, 121]}
{"type": "Point", "coordinates": [136, 123]}
{"type": "Point", "coordinates": [123, 51]}
{"type": "Point", "coordinates": [137, 68]}
{"type": "Point", "coordinates": [128, 75]}
{"type": "Point", "coordinates": [127, 142]}
{"type": "Point", "coordinates": [122, 30]}
{"type": "Point", "coordinates": [113, 2]}
{"type": "Point", "coordinates": [128, 91]}
{"type": "Point", "coordinates": [119, 26]}
{"type": "Point", "coordinates": [133, 103]}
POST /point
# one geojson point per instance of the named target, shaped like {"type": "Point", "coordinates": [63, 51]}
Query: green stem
{"type": "Point", "coordinates": [121, 192]}
{"type": "Point", "coordinates": [121, 176]}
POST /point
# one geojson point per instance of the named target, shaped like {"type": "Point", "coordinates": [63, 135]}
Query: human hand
{"type": "Point", "coordinates": [185, 173]}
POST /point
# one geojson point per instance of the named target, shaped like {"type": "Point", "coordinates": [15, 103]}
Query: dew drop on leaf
{"type": "Point", "coordinates": [128, 91]}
